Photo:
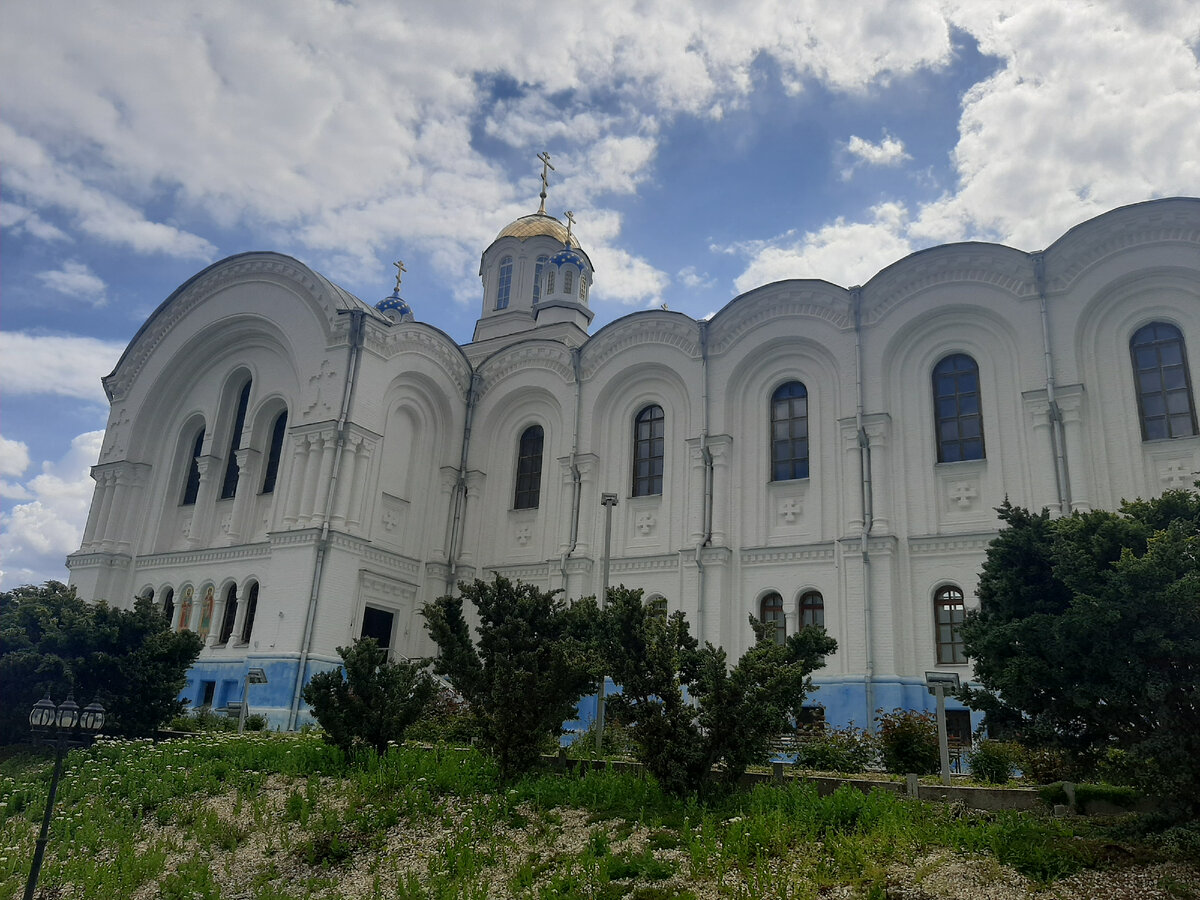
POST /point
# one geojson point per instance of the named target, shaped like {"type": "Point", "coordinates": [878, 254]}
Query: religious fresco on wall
{"type": "Point", "coordinates": [206, 614]}
{"type": "Point", "coordinates": [185, 609]}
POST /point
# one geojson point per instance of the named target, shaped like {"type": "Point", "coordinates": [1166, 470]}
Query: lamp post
{"type": "Point", "coordinates": [63, 726]}
{"type": "Point", "coordinates": [608, 501]}
{"type": "Point", "coordinates": [254, 675]}
{"type": "Point", "coordinates": [938, 683]}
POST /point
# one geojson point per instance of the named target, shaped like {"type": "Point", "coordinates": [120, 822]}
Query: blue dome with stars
{"type": "Point", "coordinates": [394, 303]}
{"type": "Point", "coordinates": [568, 255]}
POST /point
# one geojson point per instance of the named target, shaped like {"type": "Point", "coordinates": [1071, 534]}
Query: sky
{"type": "Point", "coordinates": [705, 148]}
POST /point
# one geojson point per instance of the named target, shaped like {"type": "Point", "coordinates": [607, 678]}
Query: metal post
{"type": "Point", "coordinates": [608, 501]}
{"type": "Point", "coordinates": [60, 746]}
{"type": "Point", "coordinates": [939, 690]}
{"type": "Point", "coordinates": [245, 704]}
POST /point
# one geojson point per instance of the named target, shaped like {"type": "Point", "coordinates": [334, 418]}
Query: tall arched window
{"type": "Point", "coordinates": [168, 605]}
{"type": "Point", "coordinates": [649, 443]}
{"type": "Point", "coordinates": [773, 617]}
{"type": "Point", "coordinates": [789, 432]}
{"type": "Point", "coordinates": [251, 609]}
{"type": "Point", "coordinates": [1164, 387]}
{"type": "Point", "coordinates": [230, 613]}
{"type": "Point", "coordinates": [957, 414]}
{"type": "Point", "coordinates": [948, 612]}
{"type": "Point", "coordinates": [656, 605]}
{"type": "Point", "coordinates": [582, 288]}
{"type": "Point", "coordinates": [504, 287]}
{"type": "Point", "coordinates": [230, 483]}
{"type": "Point", "coordinates": [568, 282]}
{"type": "Point", "coordinates": [271, 475]}
{"type": "Point", "coordinates": [549, 280]}
{"type": "Point", "coordinates": [191, 487]}
{"type": "Point", "coordinates": [538, 268]}
{"type": "Point", "coordinates": [529, 468]}
{"type": "Point", "coordinates": [812, 609]}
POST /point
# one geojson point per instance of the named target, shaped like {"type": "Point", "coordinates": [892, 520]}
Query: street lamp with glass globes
{"type": "Point", "coordinates": [63, 726]}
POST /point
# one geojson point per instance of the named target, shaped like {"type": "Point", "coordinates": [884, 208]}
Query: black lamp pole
{"type": "Point", "coordinates": [63, 726]}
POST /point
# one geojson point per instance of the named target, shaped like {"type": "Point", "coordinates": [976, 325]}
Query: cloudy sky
{"type": "Point", "coordinates": [709, 149]}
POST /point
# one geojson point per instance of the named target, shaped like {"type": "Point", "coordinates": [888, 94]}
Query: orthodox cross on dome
{"type": "Point", "coordinates": [400, 270]}
{"type": "Point", "coordinates": [546, 170]}
{"type": "Point", "coordinates": [570, 224]}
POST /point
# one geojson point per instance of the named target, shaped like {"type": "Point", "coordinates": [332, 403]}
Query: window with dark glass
{"type": "Point", "coordinates": [957, 412]}
{"type": "Point", "coordinates": [773, 617]}
{"type": "Point", "coordinates": [529, 468]}
{"type": "Point", "coordinates": [191, 487]}
{"type": "Point", "coordinates": [789, 432]}
{"type": "Point", "coordinates": [271, 475]}
{"type": "Point", "coordinates": [657, 606]}
{"type": "Point", "coordinates": [504, 288]}
{"type": "Point", "coordinates": [1164, 386]}
{"type": "Point", "coordinates": [538, 268]}
{"type": "Point", "coordinates": [812, 609]}
{"type": "Point", "coordinates": [251, 609]}
{"type": "Point", "coordinates": [949, 611]}
{"type": "Point", "coordinates": [230, 613]}
{"type": "Point", "coordinates": [649, 444]}
{"type": "Point", "coordinates": [549, 281]}
{"type": "Point", "coordinates": [230, 482]}
{"type": "Point", "coordinates": [168, 606]}
{"type": "Point", "coordinates": [568, 282]}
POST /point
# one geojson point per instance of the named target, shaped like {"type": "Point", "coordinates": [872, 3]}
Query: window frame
{"type": "Point", "coordinates": [191, 482]}
{"type": "Point", "coordinates": [774, 615]}
{"type": "Point", "coordinates": [251, 609]}
{"type": "Point", "coordinates": [944, 368]}
{"type": "Point", "coordinates": [527, 485]}
{"type": "Point", "coordinates": [949, 598]}
{"type": "Point", "coordinates": [504, 283]}
{"type": "Point", "coordinates": [539, 267]}
{"type": "Point", "coordinates": [229, 483]}
{"type": "Point", "coordinates": [1162, 395]}
{"type": "Point", "coordinates": [795, 464]}
{"type": "Point", "coordinates": [811, 602]}
{"type": "Point", "coordinates": [647, 440]}
{"type": "Point", "coordinates": [274, 453]}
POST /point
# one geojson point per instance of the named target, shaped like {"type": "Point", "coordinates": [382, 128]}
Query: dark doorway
{"type": "Point", "coordinates": [377, 623]}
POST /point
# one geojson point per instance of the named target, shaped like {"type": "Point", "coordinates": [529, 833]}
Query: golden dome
{"type": "Point", "coordinates": [537, 225]}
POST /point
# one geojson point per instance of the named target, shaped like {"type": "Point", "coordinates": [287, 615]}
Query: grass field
{"type": "Point", "coordinates": [268, 817]}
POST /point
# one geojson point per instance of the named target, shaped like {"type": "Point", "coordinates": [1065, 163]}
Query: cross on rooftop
{"type": "Point", "coordinates": [400, 270]}
{"type": "Point", "coordinates": [570, 223]}
{"type": "Point", "coordinates": [546, 170]}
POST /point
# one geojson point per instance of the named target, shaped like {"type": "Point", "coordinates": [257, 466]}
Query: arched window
{"type": "Point", "coordinates": [168, 605]}
{"type": "Point", "coordinates": [504, 287]}
{"type": "Point", "coordinates": [229, 484]}
{"type": "Point", "coordinates": [812, 609]}
{"type": "Point", "coordinates": [191, 487]}
{"type": "Point", "coordinates": [1164, 387]}
{"type": "Point", "coordinates": [251, 609]}
{"type": "Point", "coordinates": [789, 432]}
{"type": "Point", "coordinates": [538, 268]}
{"type": "Point", "coordinates": [529, 468]}
{"type": "Point", "coordinates": [549, 281]}
{"type": "Point", "coordinates": [582, 288]}
{"type": "Point", "coordinates": [278, 430]}
{"type": "Point", "coordinates": [949, 610]}
{"type": "Point", "coordinates": [657, 606]}
{"type": "Point", "coordinates": [649, 430]}
{"type": "Point", "coordinates": [231, 604]}
{"type": "Point", "coordinates": [956, 409]}
{"type": "Point", "coordinates": [568, 283]}
{"type": "Point", "coordinates": [773, 617]}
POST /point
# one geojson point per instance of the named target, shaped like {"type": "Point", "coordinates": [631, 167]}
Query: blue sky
{"type": "Point", "coordinates": [705, 148]}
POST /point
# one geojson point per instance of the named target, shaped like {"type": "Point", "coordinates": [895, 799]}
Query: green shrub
{"type": "Point", "coordinates": [202, 720]}
{"type": "Point", "coordinates": [908, 742]}
{"type": "Point", "coordinates": [256, 722]}
{"type": "Point", "coordinates": [373, 703]}
{"type": "Point", "coordinates": [1046, 765]}
{"type": "Point", "coordinates": [836, 750]}
{"type": "Point", "coordinates": [447, 719]}
{"type": "Point", "coordinates": [993, 762]}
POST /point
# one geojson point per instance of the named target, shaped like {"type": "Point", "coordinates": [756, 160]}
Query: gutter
{"type": "Point", "coordinates": [867, 500]}
{"type": "Point", "coordinates": [576, 478]}
{"type": "Point", "coordinates": [1058, 436]}
{"type": "Point", "coordinates": [460, 486]}
{"type": "Point", "coordinates": [706, 515]}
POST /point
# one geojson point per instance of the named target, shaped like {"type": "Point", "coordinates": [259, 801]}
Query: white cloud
{"type": "Point", "coordinates": [14, 457]}
{"type": "Point", "coordinates": [75, 279]}
{"type": "Point", "coordinates": [17, 219]}
{"type": "Point", "coordinates": [36, 536]}
{"type": "Point", "coordinates": [690, 278]}
{"type": "Point", "coordinates": [61, 365]}
{"type": "Point", "coordinates": [888, 152]}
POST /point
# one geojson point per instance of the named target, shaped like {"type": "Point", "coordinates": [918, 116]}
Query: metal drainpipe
{"type": "Point", "coordinates": [1058, 436]}
{"type": "Point", "coordinates": [868, 502]}
{"type": "Point", "coordinates": [354, 357]}
{"type": "Point", "coordinates": [576, 480]}
{"type": "Point", "coordinates": [460, 485]}
{"type": "Point", "coordinates": [706, 455]}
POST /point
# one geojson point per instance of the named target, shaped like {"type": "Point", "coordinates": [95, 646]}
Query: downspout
{"type": "Point", "coordinates": [576, 479]}
{"type": "Point", "coordinates": [354, 359]}
{"type": "Point", "coordinates": [706, 511]}
{"type": "Point", "coordinates": [1058, 436]}
{"type": "Point", "coordinates": [460, 486]}
{"type": "Point", "coordinates": [867, 500]}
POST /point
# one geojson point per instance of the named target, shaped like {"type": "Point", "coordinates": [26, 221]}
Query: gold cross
{"type": "Point", "coordinates": [400, 270]}
{"type": "Point", "coordinates": [546, 170]}
{"type": "Point", "coordinates": [570, 222]}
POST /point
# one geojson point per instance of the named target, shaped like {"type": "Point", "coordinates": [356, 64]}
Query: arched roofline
{"type": "Point", "coordinates": [317, 286]}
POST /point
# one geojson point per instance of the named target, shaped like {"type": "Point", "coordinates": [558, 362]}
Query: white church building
{"type": "Point", "coordinates": [287, 467]}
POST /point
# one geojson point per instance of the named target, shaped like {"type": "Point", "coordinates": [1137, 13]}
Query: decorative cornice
{"type": "Point", "coordinates": [546, 355]}
{"type": "Point", "coordinates": [783, 300]}
{"type": "Point", "coordinates": [532, 572]}
{"type": "Point", "coordinates": [208, 555]}
{"type": "Point", "coordinates": [976, 542]}
{"type": "Point", "coordinates": [666, 563]}
{"type": "Point", "coordinates": [367, 552]}
{"type": "Point", "coordinates": [764, 556]}
{"type": "Point", "coordinates": [414, 337]}
{"type": "Point", "coordinates": [650, 327]}
{"type": "Point", "coordinates": [1169, 221]}
{"type": "Point", "coordinates": [80, 560]}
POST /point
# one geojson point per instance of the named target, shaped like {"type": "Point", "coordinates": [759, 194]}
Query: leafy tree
{"type": "Point", "coordinates": [908, 742]}
{"type": "Point", "coordinates": [129, 660]}
{"type": "Point", "coordinates": [533, 661]}
{"type": "Point", "coordinates": [369, 699]}
{"type": "Point", "coordinates": [1088, 636]}
{"type": "Point", "coordinates": [687, 709]}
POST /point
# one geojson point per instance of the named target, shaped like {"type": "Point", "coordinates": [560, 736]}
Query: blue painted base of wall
{"type": "Point", "coordinates": [844, 698]}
